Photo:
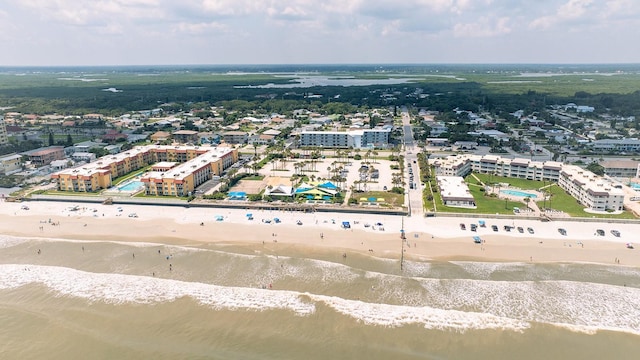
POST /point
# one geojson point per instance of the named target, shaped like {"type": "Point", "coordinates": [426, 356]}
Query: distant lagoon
{"type": "Point", "coordinates": [306, 81]}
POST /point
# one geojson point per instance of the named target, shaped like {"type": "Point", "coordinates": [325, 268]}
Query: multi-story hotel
{"type": "Point", "coordinates": [592, 191]}
{"type": "Point", "coordinates": [189, 166]}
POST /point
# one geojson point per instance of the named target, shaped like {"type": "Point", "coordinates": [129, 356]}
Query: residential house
{"type": "Point", "coordinates": [186, 137]}
{"type": "Point", "coordinates": [235, 137]}
{"type": "Point", "coordinates": [44, 156]}
{"type": "Point", "coordinates": [10, 163]}
{"type": "Point", "coordinates": [160, 136]}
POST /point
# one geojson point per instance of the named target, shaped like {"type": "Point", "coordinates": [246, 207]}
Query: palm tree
{"type": "Point", "coordinates": [526, 201]}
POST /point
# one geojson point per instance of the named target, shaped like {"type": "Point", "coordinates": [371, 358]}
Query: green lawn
{"type": "Point", "coordinates": [389, 197]}
{"type": "Point", "coordinates": [562, 201]}
{"type": "Point", "coordinates": [68, 193]}
{"type": "Point", "coordinates": [254, 177]}
{"type": "Point", "coordinates": [63, 138]}
{"type": "Point", "coordinates": [523, 184]}
{"type": "Point", "coordinates": [131, 175]}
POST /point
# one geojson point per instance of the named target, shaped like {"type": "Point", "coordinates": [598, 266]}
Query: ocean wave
{"type": "Point", "coordinates": [573, 304]}
{"type": "Point", "coordinates": [120, 289]}
{"type": "Point", "coordinates": [484, 270]}
{"type": "Point", "coordinates": [10, 241]}
{"type": "Point", "coordinates": [430, 318]}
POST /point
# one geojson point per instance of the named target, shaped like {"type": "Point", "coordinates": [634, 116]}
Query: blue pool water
{"type": "Point", "coordinates": [131, 186]}
{"type": "Point", "coordinates": [518, 193]}
{"type": "Point", "coordinates": [635, 186]}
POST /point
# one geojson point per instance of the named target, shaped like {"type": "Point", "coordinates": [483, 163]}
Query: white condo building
{"type": "Point", "coordinates": [592, 191]}
{"type": "Point", "coordinates": [365, 138]}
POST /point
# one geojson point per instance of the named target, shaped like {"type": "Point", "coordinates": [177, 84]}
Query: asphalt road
{"type": "Point", "coordinates": [413, 197]}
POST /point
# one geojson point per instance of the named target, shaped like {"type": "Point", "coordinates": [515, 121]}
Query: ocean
{"type": "Point", "coordinates": [106, 299]}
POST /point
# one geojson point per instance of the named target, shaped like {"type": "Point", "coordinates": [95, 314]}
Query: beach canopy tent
{"type": "Point", "coordinates": [249, 216]}
{"type": "Point", "coordinates": [318, 192]}
{"type": "Point", "coordinates": [276, 220]}
{"type": "Point", "coordinates": [219, 217]}
{"type": "Point", "coordinates": [477, 240]}
{"type": "Point", "coordinates": [328, 185]}
{"type": "Point", "coordinates": [346, 225]}
{"type": "Point", "coordinates": [280, 190]}
{"type": "Point", "coordinates": [481, 222]}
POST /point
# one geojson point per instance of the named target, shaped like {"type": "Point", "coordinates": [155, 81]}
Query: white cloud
{"type": "Point", "coordinates": [570, 11]}
{"type": "Point", "coordinates": [319, 31]}
{"type": "Point", "coordinates": [484, 27]}
{"type": "Point", "coordinates": [197, 28]}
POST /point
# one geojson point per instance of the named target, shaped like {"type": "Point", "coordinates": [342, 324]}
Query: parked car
{"type": "Point", "coordinates": [463, 226]}
{"type": "Point", "coordinates": [474, 227]}
{"type": "Point", "coordinates": [521, 230]}
{"type": "Point", "coordinates": [600, 232]}
{"type": "Point", "coordinates": [494, 227]}
{"type": "Point", "coordinates": [615, 233]}
{"type": "Point", "coordinates": [530, 230]}
{"type": "Point", "coordinates": [562, 231]}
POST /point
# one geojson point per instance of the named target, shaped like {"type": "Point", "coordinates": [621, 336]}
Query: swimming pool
{"type": "Point", "coordinates": [635, 186]}
{"type": "Point", "coordinates": [131, 186]}
{"type": "Point", "coordinates": [518, 193]}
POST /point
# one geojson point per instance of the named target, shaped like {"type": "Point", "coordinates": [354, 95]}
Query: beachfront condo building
{"type": "Point", "coordinates": [99, 174]}
{"type": "Point", "coordinates": [181, 179]}
{"type": "Point", "coordinates": [357, 139]}
{"type": "Point", "coordinates": [491, 164]}
{"type": "Point", "coordinates": [592, 191]}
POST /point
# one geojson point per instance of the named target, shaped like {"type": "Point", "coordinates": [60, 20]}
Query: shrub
{"type": "Point", "coordinates": [215, 196]}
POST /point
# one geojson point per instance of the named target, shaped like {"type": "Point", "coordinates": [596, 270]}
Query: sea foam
{"type": "Point", "coordinates": [120, 289]}
{"type": "Point", "coordinates": [574, 305]}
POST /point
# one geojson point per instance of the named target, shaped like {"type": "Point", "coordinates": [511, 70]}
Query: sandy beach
{"type": "Point", "coordinates": [437, 238]}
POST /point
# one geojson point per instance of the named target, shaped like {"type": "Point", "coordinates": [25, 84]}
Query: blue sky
{"type": "Point", "coordinates": [150, 32]}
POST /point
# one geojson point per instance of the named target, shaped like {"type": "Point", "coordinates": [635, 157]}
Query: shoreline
{"type": "Point", "coordinates": [427, 239]}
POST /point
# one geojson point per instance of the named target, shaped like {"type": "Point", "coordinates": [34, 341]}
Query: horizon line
{"type": "Point", "coordinates": [333, 64]}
